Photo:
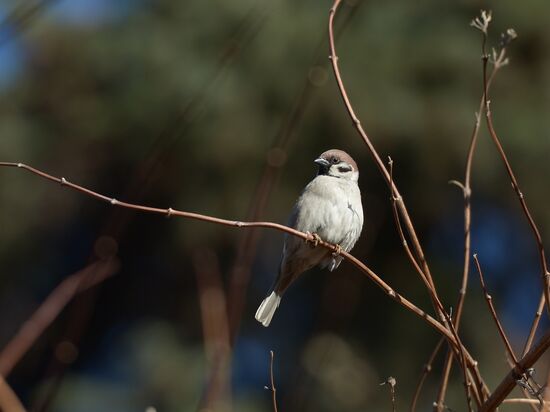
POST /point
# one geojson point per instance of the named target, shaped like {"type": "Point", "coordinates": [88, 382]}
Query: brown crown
{"type": "Point", "coordinates": [340, 155]}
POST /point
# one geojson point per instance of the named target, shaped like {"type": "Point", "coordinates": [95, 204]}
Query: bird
{"type": "Point", "coordinates": [329, 208]}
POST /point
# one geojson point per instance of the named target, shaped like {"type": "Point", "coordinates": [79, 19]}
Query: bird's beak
{"type": "Point", "coordinates": [322, 162]}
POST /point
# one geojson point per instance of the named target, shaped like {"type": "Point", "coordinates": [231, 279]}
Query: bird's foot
{"type": "Point", "coordinates": [337, 251]}
{"type": "Point", "coordinates": [313, 239]}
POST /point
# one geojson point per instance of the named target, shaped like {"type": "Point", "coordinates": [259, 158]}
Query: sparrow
{"type": "Point", "coordinates": [330, 209]}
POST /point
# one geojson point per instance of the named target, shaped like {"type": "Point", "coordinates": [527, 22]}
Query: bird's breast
{"type": "Point", "coordinates": [331, 208]}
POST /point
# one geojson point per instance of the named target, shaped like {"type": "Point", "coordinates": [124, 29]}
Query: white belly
{"type": "Point", "coordinates": [331, 208]}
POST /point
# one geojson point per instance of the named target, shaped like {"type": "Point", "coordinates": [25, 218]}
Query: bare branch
{"type": "Point", "coordinates": [391, 382]}
{"type": "Point", "coordinates": [467, 194]}
{"type": "Point", "coordinates": [494, 314]}
{"type": "Point", "coordinates": [395, 193]}
{"type": "Point", "coordinates": [501, 60]}
{"type": "Point", "coordinates": [534, 324]}
{"type": "Point", "coordinates": [169, 212]}
{"type": "Point", "coordinates": [272, 379]}
{"type": "Point", "coordinates": [29, 332]}
{"type": "Point", "coordinates": [425, 371]}
{"type": "Point", "coordinates": [522, 401]}
{"type": "Point", "coordinates": [9, 402]}
{"type": "Point", "coordinates": [374, 154]}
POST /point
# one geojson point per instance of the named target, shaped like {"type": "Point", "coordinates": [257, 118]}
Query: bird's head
{"type": "Point", "coordinates": [339, 164]}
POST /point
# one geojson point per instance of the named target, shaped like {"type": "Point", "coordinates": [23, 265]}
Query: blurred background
{"type": "Point", "coordinates": [220, 108]}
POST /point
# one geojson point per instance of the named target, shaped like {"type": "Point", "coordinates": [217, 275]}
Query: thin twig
{"type": "Point", "coordinates": [29, 332]}
{"type": "Point", "coordinates": [439, 308]}
{"type": "Point", "coordinates": [400, 204]}
{"type": "Point", "coordinates": [466, 191]}
{"type": "Point", "coordinates": [443, 315]}
{"type": "Point", "coordinates": [534, 324]}
{"type": "Point", "coordinates": [522, 400]}
{"type": "Point", "coordinates": [425, 371]}
{"type": "Point", "coordinates": [494, 314]}
{"type": "Point", "coordinates": [431, 290]}
{"type": "Point", "coordinates": [379, 163]}
{"type": "Point", "coordinates": [482, 24]}
{"type": "Point", "coordinates": [498, 61]}
{"type": "Point", "coordinates": [391, 382]}
{"type": "Point", "coordinates": [272, 379]}
{"type": "Point", "coordinates": [394, 199]}
{"type": "Point", "coordinates": [467, 194]}
{"type": "Point", "coordinates": [502, 60]}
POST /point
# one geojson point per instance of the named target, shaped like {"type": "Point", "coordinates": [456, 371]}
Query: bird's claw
{"type": "Point", "coordinates": [313, 239]}
{"type": "Point", "coordinates": [337, 251]}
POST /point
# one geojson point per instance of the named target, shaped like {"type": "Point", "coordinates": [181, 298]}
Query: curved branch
{"type": "Point", "coordinates": [545, 273]}
{"type": "Point", "coordinates": [379, 163]}
{"type": "Point", "coordinates": [467, 194]}
{"type": "Point", "coordinates": [45, 314]}
{"type": "Point", "coordinates": [169, 212]}
{"type": "Point", "coordinates": [439, 309]}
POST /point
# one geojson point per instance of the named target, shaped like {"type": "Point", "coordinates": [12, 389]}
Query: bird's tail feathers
{"type": "Point", "coordinates": [267, 309]}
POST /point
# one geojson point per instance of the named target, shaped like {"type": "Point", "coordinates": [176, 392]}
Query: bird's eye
{"type": "Point", "coordinates": [334, 160]}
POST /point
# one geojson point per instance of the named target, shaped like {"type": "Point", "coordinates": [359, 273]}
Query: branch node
{"type": "Point", "coordinates": [392, 293]}
{"type": "Point", "coordinates": [114, 201]}
{"type": "Point", "coordinates": [63, 181]}
{"type": "Point", "coordinates": [459, 184]}
{"type": "Point", "coordinates": [19, 164]}
{"type": "Point", "coordinates": [169, 212]}
{"type": "Point", "coordinates": [488, 108]}
{"type": "Point", "coordinates": [238, 223]}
